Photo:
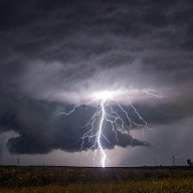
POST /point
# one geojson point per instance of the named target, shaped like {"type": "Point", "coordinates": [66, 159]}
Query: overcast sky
{"type": "Point", "coordinates": [54, 54]}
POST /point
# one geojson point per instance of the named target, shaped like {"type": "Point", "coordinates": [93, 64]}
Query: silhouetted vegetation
{"type": "Point", "coordinates": [189, 162]}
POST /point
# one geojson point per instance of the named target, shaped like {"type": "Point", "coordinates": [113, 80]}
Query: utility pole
{"type": "Point", "coordinates": [173, 160]}
{"type": "Point", "coordinates": [155, 162]}
{"type": "Point", "coordinates": [18, 162]}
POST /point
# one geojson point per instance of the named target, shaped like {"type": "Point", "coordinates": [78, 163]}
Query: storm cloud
{"type": "Point", "coordinates": [40, 129]}
{"type": "Point", "coordinates": [53, 54]}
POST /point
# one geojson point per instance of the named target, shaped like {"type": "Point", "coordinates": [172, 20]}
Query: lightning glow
{"type": "Point", "coordinates": [105, 113]}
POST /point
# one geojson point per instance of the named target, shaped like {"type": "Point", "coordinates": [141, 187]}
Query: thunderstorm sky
{"type": "Point", "coordinates": [55, 54]}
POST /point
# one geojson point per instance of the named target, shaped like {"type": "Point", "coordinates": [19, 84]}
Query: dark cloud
{"type": "Point", "coordinates": [40, 130]}
{"type": "Point", "coordinates": [58, 52]}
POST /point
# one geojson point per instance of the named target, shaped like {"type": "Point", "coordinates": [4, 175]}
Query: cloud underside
{"type": "Point", "coordinates": [40, 129]}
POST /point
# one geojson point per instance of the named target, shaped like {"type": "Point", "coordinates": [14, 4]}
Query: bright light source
{"type": "Point", "coordinates": [106, 94]}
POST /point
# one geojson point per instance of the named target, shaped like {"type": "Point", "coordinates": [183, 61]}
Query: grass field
{"type": "Point", "coordinates": [99, 180]}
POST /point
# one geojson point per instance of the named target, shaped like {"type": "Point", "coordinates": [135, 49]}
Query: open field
{"type": "Point", "coordinates": [71, 179]}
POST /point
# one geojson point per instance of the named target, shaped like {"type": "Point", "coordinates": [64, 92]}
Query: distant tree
{"type": "Point", "coordinates": [190, 163]}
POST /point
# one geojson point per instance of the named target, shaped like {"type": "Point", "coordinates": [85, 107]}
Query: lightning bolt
{"type": "Point", "coordinates": [106, 113]}
{"type": "Point", "coordinates": [100, 133]}
{"type": "Point", "coordinates": [151, 93]}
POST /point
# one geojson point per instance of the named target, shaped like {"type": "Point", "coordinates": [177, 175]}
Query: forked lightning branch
{"type": "Point", "coordinates": [106, 100]}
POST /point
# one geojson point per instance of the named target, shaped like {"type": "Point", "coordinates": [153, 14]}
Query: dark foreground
{"type": "Point", "coordinates": [73, 179]}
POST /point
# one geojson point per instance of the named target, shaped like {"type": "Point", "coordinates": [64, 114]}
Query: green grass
{"type": "Point", "coordinates": [95, 180]}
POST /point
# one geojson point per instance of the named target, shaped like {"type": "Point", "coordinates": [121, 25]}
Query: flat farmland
{"type": "Point", "coordinates": [76, 179]}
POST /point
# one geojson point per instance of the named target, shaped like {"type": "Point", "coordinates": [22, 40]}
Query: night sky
{"type": "Point", "coordinates": [55, 53]}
